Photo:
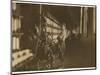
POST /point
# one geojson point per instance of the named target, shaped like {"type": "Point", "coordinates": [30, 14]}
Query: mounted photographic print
{"type": "Point", "coordinates": [49, 37]}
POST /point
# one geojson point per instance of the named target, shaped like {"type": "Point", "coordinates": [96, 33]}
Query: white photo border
{"type": "Point", "coordinates": [51, 3]}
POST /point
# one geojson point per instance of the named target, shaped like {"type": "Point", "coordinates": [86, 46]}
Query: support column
{"type": "Point", "coordinates": [40, 18]}
{"type": "Point", "coordinates": [81, 16]}
{"type": "Point", "coordinates": [85, 21]}
{"type": "Point", "coordinates": [94, 20]}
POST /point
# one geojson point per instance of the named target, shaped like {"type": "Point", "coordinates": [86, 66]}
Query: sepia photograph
{"type": "Point", "coordinates": [52, 37]}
